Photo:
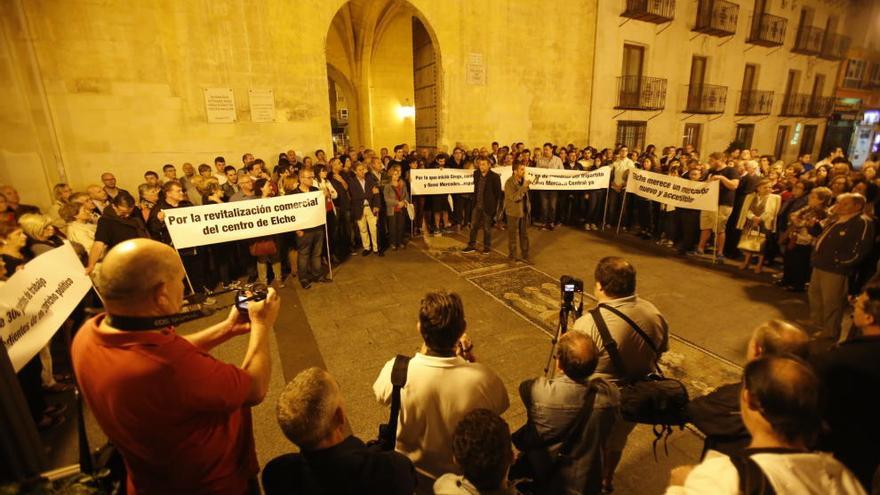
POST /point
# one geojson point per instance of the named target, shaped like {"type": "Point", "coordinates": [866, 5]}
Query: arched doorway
{"type": "Point", "coordinates": [382, 58]}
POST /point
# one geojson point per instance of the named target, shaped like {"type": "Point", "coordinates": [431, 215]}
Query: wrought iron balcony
{"type": "Point", "coordinates": [717, 18]}
{"type": "Point", "coordinates": [835, 46]}
{"type": "Point", "coordinates": [656, 11]}
{"type": "Point", "coordinates": [809, 40]}
{"type": "Point", "coordinates": [641, 93]}
{"type": "Point", "coordinates": [754, 102]}
{"type": "Point", "coordinates": [795, 105]}
{"type": "Point", "coordinates": [768, 30]}
{"type": "Point", "coordinates": [706, 98]}
{"type": "Point", "coordinates": [820, 106]}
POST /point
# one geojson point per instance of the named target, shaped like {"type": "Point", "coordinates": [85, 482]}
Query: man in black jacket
{"type": "Point", "coordinates": [309, 242]}
{"type": "Point", "coordinates": [331, 459]}
{"type": "Point", "coordinates": [847, 237]}
{"type": "Point", "coordinates": [487, 192]}
{"type": "Point", "coordinates": [365, 203]}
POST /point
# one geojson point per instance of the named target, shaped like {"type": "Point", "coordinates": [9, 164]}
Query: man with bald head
{"type": "Point", "coordinates": [180, 418]}
{"type": "Point", "coordinates": [717, 413]}
{"type": "Point", "coordinates": [780, 401]}
{"type": "Point", "coordinates": [554, 407]}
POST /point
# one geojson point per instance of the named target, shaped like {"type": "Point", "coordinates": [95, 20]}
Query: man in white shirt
{"type": "Point", "coordinates": [220, 169]}
{"type": "Point", "coordinates": [780, 408]}
{"type": "Point", "coordinates": [620, 170]}
{"type": "Point", "coordinates": [442, 386]}
{"type": "Point", "coordinates": [548, 198]}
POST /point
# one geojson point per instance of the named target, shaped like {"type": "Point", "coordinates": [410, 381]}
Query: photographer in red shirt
{"type": "Point", "coordinates": [179, 417]}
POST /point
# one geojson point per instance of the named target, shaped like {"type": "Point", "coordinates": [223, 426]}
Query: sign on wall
{"type": "Point", "coordinates": [476, 69]}
{"type": "Point", "coordinates": [262, 103]}
{"type": "Point", "coordinates": [220, 105]}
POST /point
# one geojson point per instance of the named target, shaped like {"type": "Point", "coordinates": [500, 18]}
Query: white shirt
{"type": "Point", "coordinates": [221, 178]}
{"type": "Point", "coordinates": [82, 233]}
{"type": "Point", "coordinates": [552, 162]}
{"type": "Point", "coordinates": [790, 474]}
{"type": "Point", "coordinates": [439, 392]}
{"type": "Point", "coordinates": [621, 169]}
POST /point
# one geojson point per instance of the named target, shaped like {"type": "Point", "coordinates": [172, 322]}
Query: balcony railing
{"type": "Point", "coordinates": [641, 93]}
{"type": "Point", "coordinates": [754, 102]}
{"type": "Point", "coordinates": [706, 98]}
{"type": "Point", "coordinates": [795, 105]}
{"type": "Point", "coordinates": [809, 40]}
{"type": "Point", "coordinates": [835, 46]}
{"type": "Point", "coordinates": [768, 30]}
{"type": "Point", "coordinates": [820, 106]}
{"type": "Point", "coordinates": [656, 11]}
{"type": "Point", "coordinates": [717, 17]}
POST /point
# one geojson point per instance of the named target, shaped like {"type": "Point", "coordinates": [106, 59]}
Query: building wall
{"type": "Point", "coordinates": [124, 80]}
{"type": "Point", "coordinates": [669, 49]}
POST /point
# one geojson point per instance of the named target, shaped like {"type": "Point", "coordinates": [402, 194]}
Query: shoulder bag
{"type": "Point", "coordinates": [753, 241]}
{"type": "Point", "coordinates": [653, 399]}
{"type": "Point", "coordinates": [387, 439]}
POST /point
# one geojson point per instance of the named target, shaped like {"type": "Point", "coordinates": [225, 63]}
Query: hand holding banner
{"type": "Point", "coordinates": [210, 224]}
{"type": "Point", "coordinates": [37, 299]}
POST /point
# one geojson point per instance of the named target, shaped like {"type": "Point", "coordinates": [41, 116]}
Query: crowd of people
{"type": "Point", "coordinates": [816, 222]}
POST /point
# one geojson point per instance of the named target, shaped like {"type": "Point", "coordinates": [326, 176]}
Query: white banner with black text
{"type": "Point", "coordinates": [37, 299]}
{"type": "Point", "coordinates": [441, 181]}
{"type": "Point", "coordinates": [553, 179]}
{"type": "Point", "coordinates": [675, 191]}
{"type": "Point", "coordinates": [210, 224]}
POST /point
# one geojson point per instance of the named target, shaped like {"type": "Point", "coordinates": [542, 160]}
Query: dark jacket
{"type": "Point", "coordinates": [343, 195]}
{"type": "Point", "coordinates": [842, 246]}
{"type": "Point", "coordinates": [491, 193]}
{"type": "Point", "coordinates": [358, 195]}
{"type": "Point", "coordinates": [347, 468]}
{"type": "Point", "coordinates": [112, 229]}
{"type": "Point", "coordinates": [718, 417]}
{"type": "Point", "coordinates": [158, 229]}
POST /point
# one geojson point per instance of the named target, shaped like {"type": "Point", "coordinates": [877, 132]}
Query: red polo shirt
{"type": "Point", "coordinates": [176, 414]}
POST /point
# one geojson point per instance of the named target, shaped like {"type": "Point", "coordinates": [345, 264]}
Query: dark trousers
{"type": "Point", "coordinates": [481, 219]}
{"type": "Point", "coordinates": [342, 233]}
{"type": "Point", "coordinates": [797, 266]}
{"type": "Point", "coordinates": [688, 222]}
{"type": "Point", "coordinates": [517, 229]}
{"type": "Point", "coordinates": [615, 206]}
{"type": "Point", "coordinates": [596, 206]}
{"type": "Point", "coordinates": [196, 268]}
{"type": "Point", "coordinates": [308, 248]}
{"type": "Point", "coordinates": [548, 206]}
{"type": "Point", "coordinates": [395, 226]}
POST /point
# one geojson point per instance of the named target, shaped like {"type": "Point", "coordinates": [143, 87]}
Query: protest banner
{"type": "Point", "coordinates": [209, 224]}
{"type": "Point", "coordinates": [37, 300]}
{"type": "Point", "coordinates": [674, 191]}
{"type": "Point", "coordinates": [552, 179]}
{"type": "Point", "coordinates": [441, 181]}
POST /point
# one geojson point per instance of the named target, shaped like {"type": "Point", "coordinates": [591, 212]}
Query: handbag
{"type": "Point", "coordinates": [264, 246]}
{"type": "Point", "coordinates": [411, 211]}
{"type": "Point", "coordinates": [753, 241]}
{"type": "Point", "coordinates": [653, 399]}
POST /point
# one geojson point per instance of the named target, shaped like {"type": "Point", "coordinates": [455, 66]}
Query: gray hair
{"type": "Point", "coordinates": [776, 337]}
{"type": "Point", "coordinates": [307, 406]}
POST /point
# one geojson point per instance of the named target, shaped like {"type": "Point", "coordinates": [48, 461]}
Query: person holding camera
{"type": "Point", "coordinates": [312, 415]}
{"type": "Point", "coordinates": [570, 418]}
{"type": "Point", "coordinates": [443, 384]}
{"type": "Point", "coordinates": [518, 209]}
{"type": "Point", "coordinates": [627, 316]}
{"type": "Point", "coordinates": [180, 418]}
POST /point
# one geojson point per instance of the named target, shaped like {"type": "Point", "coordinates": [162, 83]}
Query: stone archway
{"type": "Point", "coordinates": [387, 55]}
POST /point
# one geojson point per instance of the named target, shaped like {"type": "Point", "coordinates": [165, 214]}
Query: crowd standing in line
{"type": "Point", "coordinates": [818, 226]}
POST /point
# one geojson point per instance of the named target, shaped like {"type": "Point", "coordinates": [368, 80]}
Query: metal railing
{"type": "Point", "coordinates": [641, 93]}
{"type": "Point", "coordinates": [820, 106]}
{"type": "Point", "coordinates": [706, 98]}
{"type": "Point", "coordinates": [656, 11]}
{"type": "Point", "coordinates": [755, 102]}
{"type": "Point", "coordinates": [717, 17]}
{"type": "Point", "coordinates": [768, 30]}
{"type": "Point", "coordinates": [835, 46]}
{"type": "Point", "coordinates": [809, 40]}
{"type": "Point", "coordinates": [794, 105]}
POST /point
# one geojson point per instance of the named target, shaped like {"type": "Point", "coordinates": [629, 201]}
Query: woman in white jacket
{"type": "Point", "coordinates": [758, 214]}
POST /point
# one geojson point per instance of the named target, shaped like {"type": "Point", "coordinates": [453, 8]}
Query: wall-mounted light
{"type": "Point", "coordinates": [406, 111]}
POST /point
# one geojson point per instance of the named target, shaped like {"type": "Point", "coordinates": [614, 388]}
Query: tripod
{"type": "Point", "coordinates": [565, 310]}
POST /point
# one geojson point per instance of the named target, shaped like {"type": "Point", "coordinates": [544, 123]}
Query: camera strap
{"type": "Point", "coordinates": [148, 323]}
{"type": "Point", "coordinates": [388, 432]}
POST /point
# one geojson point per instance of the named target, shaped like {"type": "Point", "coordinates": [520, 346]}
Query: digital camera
{"type": "Point", "coordinates": [248, 293]}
